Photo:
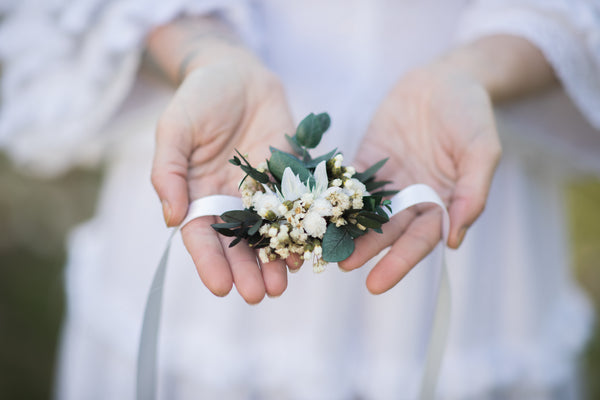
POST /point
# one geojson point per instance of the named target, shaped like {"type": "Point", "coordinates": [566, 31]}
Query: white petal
{"type": "Point", "coordinates": [291, 186]}
{"type": "Point", "coordinates": [321, 178]}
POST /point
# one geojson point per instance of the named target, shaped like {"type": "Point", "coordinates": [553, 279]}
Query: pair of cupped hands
{"type": "Point", "coordinates": [436, 126]}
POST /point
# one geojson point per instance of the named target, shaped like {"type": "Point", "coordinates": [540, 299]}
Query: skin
{"type": "Point", "coordinates": [439, 119]}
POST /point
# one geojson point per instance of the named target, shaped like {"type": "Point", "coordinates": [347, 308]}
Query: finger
{"type": "Point", "coordinates": [206, 250]}
{"type": "Point", "coordinates": [369, 245]}
{"type": "Point", "coordinates": [274, 276]}
{"type": "Point", "coordinates": [247, 276]}
{"type": "Point", "coordinates": [170, 169]}
{"type": "Point", "coordinates": [476, 171]}
{"type": "Point", "coordinates": [417, 241]}
{"type": "Point", "coordinates": [294, 262]}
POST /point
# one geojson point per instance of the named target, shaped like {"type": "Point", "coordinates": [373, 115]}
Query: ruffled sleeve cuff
{"type": "Point", "coordinates": [566, 31]}
{"type": "Point", "coordinates": [68, 66]}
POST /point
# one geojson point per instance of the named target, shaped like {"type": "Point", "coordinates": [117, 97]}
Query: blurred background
{"type": "Point", "coordinates": [36, 215]}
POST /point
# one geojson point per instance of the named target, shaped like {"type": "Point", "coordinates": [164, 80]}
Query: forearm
{"type": "Point", "coordinates": [507, 66]}
{"type": "Point", "coordinates": [179, 47]}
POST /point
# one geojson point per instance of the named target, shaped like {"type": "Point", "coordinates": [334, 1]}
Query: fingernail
{"type": "Point", "coordinates": [461, 235]}
{"type": "Point", "coordinates": [166, 211]}
{"type": "Point", "coordinates": [273, 296]}
{"type": "Point", "coordinates": [342, 269]}
{"type": "Point", "coordinates": [294, 270]}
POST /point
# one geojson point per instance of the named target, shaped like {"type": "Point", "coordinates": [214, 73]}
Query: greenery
{"type": "Point", "coordinates": [337, 240]}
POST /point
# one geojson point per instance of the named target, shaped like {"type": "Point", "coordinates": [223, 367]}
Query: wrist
{"type": "Point", "coordinates": [506, 66]}
{"type": "Point", "coordinates": [182, 46]}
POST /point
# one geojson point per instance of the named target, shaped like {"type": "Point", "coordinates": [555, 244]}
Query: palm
{"type": "Point", "coordinates": [214, 112]}
{"type": "Point", "coordinates": [437, 130]}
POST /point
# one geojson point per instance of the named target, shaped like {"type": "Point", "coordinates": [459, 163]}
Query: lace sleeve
{"type": "Point", "coordinates": [566, 31]}
{"type": "Point", "coordinates": [68, 65]}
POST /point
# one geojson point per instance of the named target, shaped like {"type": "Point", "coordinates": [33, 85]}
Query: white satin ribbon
{"type": "Point", "coordinates": [218, 204]}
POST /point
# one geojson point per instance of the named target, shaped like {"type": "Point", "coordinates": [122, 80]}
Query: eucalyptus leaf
{"type": "Point", "coordinates": [385, 193]}
{"type": "Point", "coordinates": [255, 174]}
{"type": "Point", "coordinates": [235, 241]}
{"type": "Point", "coordinates": [295, 145]}
{"type": "Point", "coordinates": [337, 244]}
{"type": "Point", "coordinates": [240, 216]}
{"type": "Point", "coordinates": [353, 230]}
{"type": "Point", "coordinates": [371, 171]}
{"type": "Point", "coordinates": [372, 185]}
{"type": "Point", "coordinates": [325, 157]}
{"type": "Point", "coordinates": [280, 160]}
{"type": "Point", "coordinates": [311, 129]}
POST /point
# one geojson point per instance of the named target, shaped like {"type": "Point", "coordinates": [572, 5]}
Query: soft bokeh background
{"type": "Point", "coordinates": [36, 215]}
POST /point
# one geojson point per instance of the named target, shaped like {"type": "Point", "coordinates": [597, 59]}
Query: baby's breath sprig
{"type": "Point", "coordinates": [312, 207]}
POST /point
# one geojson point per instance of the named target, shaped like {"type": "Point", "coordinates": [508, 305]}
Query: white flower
{"type": "Point", "coordinates": [337, 161]}
{"type": "Point", "coordinates": [263, 254]}
{"type": "Point", "coordinates": [322, 207]}
{"type": "Point", "coordinates": [292, 187]}
{"type": "Point", "coordinates": [265, 202]}
{"type": "Point", "coordinates": [355, 188]}
{"type": "Point", "coordinates": [314, 224]}
{"type": "Point", "coordinates": [321, 180]}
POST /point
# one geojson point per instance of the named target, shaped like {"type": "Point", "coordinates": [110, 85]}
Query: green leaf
{"type": "Point", "coordinates": [224, 231]}
{"type": "Point", "coordinates": [254, 173]}
{"type": "Point", "coordinates": [235, 241]}
{"type": "Point", "coordinates": [385, 193]}
{"type": "Point", "coordinates": [240, 216]}
{"type": "Point", "coordinates": [337, 244]}
{"type": "Point", "coordinates": [325, 157]}
{"type": "Point", "coordinates": [254, 228]}
{"type": "Point", "coordinates": [353, 230]}
{"type": "Point", "coordinates": [295, 145]}
{"type": "Point", "coordinates": [371, 171]}
{"type": "Point", "coordinates": [371, 219]}
{"type": "Point", "coordinates": [372, 185]}
{"type": "Point", "coordinates": [280, 160]}
{"type": "Point", "coordinates": [311, 129]}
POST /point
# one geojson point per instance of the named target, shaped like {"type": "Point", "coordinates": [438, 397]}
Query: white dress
{"type": "Point", "coordinates": [518, 319]}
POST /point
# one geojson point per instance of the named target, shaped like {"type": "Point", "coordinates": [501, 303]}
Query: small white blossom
{"type": "Point", "coordinates": [298, 235]}
{"type": "Point", "coordinates": [336, 182]}
{"type": "Point", "coordinates": [272, 231]}
{"type": "Point", "coordinates": [314, 224]}
{"type": "Point", "coordinates": [337, 161]}
{"type": "Point", "coordinates": [263, 254]}
{"type": "Point", "coordinates": [265, 202]}
{"type": "Point", "coordinates": [264, 230]}
{"type": "Point", "coordinates": [322, 207]}
{"type": "Point", "coordinates": [283, 252]}
{"type": "Point", "coordinates": [319, 266]}
{"type": "Point", "coordinates": [357, 203]}
{"type": "Point", "coordinates": [262, 167]}
{"type": "Point", "coordinates": [318, 251]}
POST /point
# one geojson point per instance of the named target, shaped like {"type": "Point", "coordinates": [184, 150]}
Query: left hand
{"type": "Point", "coordinates": [437, 127]}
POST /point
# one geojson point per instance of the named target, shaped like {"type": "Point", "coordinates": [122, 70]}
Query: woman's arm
{"type": "Point", "coordinates": [506, 66]}
{"type": "Point", "coordinates": [437, 127]}
{"type": "Point", "coordinates": [226, 100]}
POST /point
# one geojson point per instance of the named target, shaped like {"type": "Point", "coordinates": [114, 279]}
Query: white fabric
{"type": "Point", "coordinates": [75, 62]}
{"type": "Point", "coordinates": [326, 337]}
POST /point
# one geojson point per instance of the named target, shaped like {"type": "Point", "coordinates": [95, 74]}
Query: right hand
{"type": "Point", "coordinates": [235, 103]}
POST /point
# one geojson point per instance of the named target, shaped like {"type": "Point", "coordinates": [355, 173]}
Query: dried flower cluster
{"type": "Point", "coordinates": [310, 207]}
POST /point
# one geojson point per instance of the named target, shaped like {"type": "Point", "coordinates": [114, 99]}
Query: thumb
{"type": "Point", "coordinates": [476, 170]}
{"type": "Point", "coordinates": [170, 169]}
